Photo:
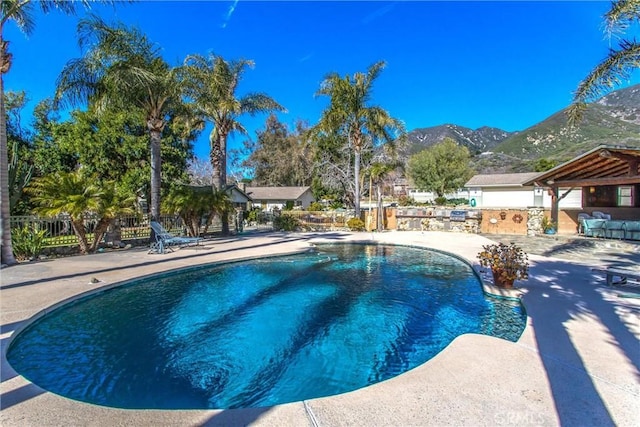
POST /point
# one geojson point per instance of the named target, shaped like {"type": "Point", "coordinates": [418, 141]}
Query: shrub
{"type": "Point", "coordinates": [355, 224]}
{"type": "Point", "coordinates": [316, 206]}
{"type": "Point", "coordinates": [440, 201]}
{"type": "Point", "coordinates": [286, 222]}
{"type": "Point", "coordinates": [406, 201]}
{"type": "Point", "coordinates": [27, 242]}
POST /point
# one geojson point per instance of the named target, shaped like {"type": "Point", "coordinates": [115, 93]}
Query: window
{"type": "Point", "coordinates": [609, 196]}
{"type": "Point", "coordinates": [625, 196]}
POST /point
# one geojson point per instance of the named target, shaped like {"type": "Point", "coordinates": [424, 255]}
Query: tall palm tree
{"type": "Point", "coordinates": [350, 114]}
{"type": "Point", "coordinates": [120, 68]}
{"type": "Point", "coordinates": [211, 83]}
{"type": "Point", "coordinates": [21, 12]}
{"type": "Point", "coordinates": [617, 66]}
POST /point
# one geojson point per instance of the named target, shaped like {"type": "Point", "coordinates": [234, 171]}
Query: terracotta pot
{"type": "Point", "coordinates": [500, 282]}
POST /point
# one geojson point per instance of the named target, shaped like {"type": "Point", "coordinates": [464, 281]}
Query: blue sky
{"type": "Point", "coordinates": [506, 64]}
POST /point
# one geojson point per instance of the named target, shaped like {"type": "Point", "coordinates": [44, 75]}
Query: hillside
{"type": "Point", "coordinates": [478, 140]}
{"type": "Point", "coordinates": [614, 120]}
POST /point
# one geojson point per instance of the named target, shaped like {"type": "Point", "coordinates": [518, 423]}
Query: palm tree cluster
{"type": "Point", "coordinates": [121, 69]}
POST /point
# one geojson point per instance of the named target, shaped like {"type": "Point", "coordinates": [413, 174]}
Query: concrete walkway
{"type": "Point", "coordinates": [576, 364]}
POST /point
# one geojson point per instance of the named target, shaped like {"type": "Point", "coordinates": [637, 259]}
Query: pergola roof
{"type": "Point", "coordinates": [604, 165]}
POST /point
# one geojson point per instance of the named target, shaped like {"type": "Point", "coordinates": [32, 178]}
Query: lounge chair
{"type": "Point", "coordinates": [165, 240]}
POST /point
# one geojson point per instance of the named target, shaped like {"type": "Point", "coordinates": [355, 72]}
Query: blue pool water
{"type": "Point", "coordinates": [261, 332]}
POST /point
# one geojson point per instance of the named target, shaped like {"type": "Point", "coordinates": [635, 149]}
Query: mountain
{"type": "Point", "coordinates": [613, 120]}
{"type": "Point", "coordinates": [478, 140]}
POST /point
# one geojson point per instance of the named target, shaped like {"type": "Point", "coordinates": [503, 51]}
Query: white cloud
{"type": "Point", "coordinates": [227, 17]}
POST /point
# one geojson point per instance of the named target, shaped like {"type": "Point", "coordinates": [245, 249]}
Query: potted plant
{"type": "Point", "coordinates": [548, 226]}
{"type": "Point", "coordinates": [508, 263]}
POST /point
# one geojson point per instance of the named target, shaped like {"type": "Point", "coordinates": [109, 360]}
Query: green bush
{"type": "Point", "coordinates": [440, 201]}
{"type": "Point", "coordinates": [355, 224]}
{"type": "Point", "coordinates": [286, 222]}
{"type": "Point", "coordinates": [406, 201]}
{"type": "Point", "coordinates": [27, 242]}
{"type": "Point", "coordinates": [316, 206]}
{"type": "Point", "coordinates": [253, 214]}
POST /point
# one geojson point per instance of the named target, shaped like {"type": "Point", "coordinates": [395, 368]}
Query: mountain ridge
{"type": "Point", "coordinates": [614, 119]}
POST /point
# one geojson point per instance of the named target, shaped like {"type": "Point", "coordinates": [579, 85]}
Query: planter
{"type": "Point", "coordinates": [550, 231]}
{"type": "Point", "coordinates": [499, 281]}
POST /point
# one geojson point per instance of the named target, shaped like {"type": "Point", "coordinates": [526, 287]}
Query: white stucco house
{"type": "Point", "coordinates": [509, 191]}
{"type": "Point", "coordinates": [269, 198]}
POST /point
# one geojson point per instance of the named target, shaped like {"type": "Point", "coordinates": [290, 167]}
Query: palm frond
{"type": "Point", "coordinates": [610, 73]}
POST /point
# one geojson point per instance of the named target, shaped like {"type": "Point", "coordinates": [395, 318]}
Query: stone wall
{"type": "Point", "coordinates": [437, 219]}
{"type": "Point", "coordinates": [534, 221]}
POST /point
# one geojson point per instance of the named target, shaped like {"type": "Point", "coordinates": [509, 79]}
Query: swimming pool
{"type": "Point", "coordinates": [261, 332]}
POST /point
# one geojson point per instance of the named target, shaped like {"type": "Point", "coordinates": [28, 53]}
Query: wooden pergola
{"type": "Point", "coordinates": [604, 165]}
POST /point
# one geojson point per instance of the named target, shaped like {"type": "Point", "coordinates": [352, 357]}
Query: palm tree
{"type": "Point", "coordinates": [21, 12]}
{"type": "Point", "coordinates": [193, 204]}
{"type": "Point", "coordinates": [122, 68]}
{"type": "Point", "coordinates": [349, 114]}
{"type": "Point", "coordinates": [211, 83]}
{"type": "Point", "coordinates": [618, 65]}
{"type": "Point", "coordinates": [76, 195]}
{"type": "Point", "coordinates": [378, 171]}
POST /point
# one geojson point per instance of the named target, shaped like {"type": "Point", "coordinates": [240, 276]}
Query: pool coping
{"type": "Point", "coordinates": [442, 391]}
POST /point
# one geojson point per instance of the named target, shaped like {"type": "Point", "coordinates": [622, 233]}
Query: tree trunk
{"type": "Point", "coordinates": [356, 191]}
{"type": "Point", "coordinates": [380, 215]}
{"type": "Point", "coordinates": [155, 127]}
{"type": "Point", "coordinates": [215, 156]}
{"type": "Point", "coordinates": [5, 209]}
{"type": "Point", "coordinates": [99, 232]}
{"type": "Point", "coordinates": [78, 229]}
{"type": "Point", "coordinates": [219, 164]}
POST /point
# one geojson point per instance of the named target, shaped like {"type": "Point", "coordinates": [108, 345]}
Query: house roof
{"type": "Point", "coordinates": [502, 180]}
{"type": "Point", "coordinates": [276, 193]}
{"type": "Point", "coordinates": [604, 165]}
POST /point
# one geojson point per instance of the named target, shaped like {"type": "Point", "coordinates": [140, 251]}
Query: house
{"type": "Point", "coordinates": [607, 179]}
{"type": "Point", "coordinates": [604, 179]}
{"type": "Point", "coordinates": [239, 198]}
{"type": "Point", "coordinates": [514, 190]}
{"type": "Point", "coordinates": [269, 198]}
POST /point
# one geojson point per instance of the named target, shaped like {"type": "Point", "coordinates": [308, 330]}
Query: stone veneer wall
{"type": "Point", "coordinates": [534, 221]}
{"type": "Point", "coordinates": [436, 219]}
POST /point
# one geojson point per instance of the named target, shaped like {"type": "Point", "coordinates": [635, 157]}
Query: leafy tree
{"type": "Point", "coordinates": [20, 12]}
{"type": "Point", "coordinates": [617, 66]}
{"type": "Point", "coordinates": [49, 155]}
{"type": "Point", "coordinates": [280, 157]}
{"type": "Point", "coordinates": [211, 83]}
{"type": "Point", "coordinates": [442, 168]}
{"type": "Point", "coordinates": [77, 195]}
{"type": "Point", "coordinates": [20, 167]}
{"type": "Point", "coordinates": [333, 169]}
{"type": "Point", "coordinates": [121, 69]}
{"type": "Point", "coordinates": [543, 164]}
{"type": "Point", "coordinates": [350, 115]}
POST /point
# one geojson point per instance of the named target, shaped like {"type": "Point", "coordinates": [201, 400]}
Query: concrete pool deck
{"type": "Point", "coordinates": [576, 364]}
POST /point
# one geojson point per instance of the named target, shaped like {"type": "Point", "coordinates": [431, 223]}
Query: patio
{"type": "Point", "coordinates": [577, 362]}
